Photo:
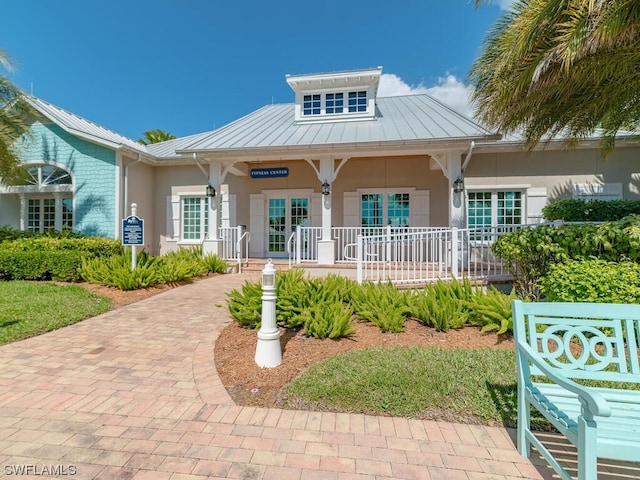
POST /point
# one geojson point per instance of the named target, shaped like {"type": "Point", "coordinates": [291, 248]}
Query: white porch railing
{"type": "Point", "coordinates": [235, 244]}
{"type": "Point", "coordinates": [408, 255]}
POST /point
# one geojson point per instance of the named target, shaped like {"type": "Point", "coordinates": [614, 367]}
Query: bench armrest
{"type": "Point", "coordinates": [594, 403]}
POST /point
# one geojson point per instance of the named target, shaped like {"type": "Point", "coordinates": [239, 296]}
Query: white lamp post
{"type": "Point", "coordinates": [268, 351]}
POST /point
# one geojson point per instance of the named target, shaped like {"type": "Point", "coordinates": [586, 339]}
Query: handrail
{"type": "Point", "coordinates": [246, 235]}
{"type": "Point", "coordinates": [289, 252]}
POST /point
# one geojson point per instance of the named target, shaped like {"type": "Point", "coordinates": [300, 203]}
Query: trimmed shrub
{"type": "Point", "coordinates": [577, 210]}
{"type": "Point", "coordinates": [593, 280]}
{"type": "Point", "coordinates": [531, 251]}
{"type": "Point", "coordinates": [41, 265]}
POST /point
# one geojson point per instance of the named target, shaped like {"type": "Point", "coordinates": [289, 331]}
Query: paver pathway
{"type": "Point", "coordinates": [134, 393]}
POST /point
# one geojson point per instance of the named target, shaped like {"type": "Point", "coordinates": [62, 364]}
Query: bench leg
{"type": "Point", "coordinates": [524, 423]}
{"type": "Point", "coordinates": [587, 459]}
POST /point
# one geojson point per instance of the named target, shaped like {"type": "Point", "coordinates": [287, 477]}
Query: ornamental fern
{"type": "Point", "coordinates": [492, 311]}
{"type": "Point", "coordinates": [382, 304]}
{"type": "Point", "coordinates": [327, 320]}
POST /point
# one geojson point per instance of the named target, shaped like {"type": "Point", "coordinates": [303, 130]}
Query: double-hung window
{"type": "Point", "coordinates": [486, 209]}
{"type": "Point", "coordinates": [195, 218]}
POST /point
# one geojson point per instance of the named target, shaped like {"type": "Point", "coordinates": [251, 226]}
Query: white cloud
{"type": "Point", "coordinates": [506, 4]}
{"type": "Point", "coordinates": [449, 91]}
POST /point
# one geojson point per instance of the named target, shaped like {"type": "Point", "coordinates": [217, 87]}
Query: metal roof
{"type": "Point", "coordinates": [83, 128]}
{"type": "Point", "coordinates": [168, 148]}
{"type": "Point", "coordinates": [404, 118]}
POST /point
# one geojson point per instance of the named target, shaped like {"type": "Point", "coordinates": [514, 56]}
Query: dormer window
{"type": "Point", "coordinates": [357, 102]}
{"type": "Point", "coordinates": [335, 103]}
{"type": "Point", "coordinates": [311, 105]}
{"type": "Point", "coordinates": [332, 97]}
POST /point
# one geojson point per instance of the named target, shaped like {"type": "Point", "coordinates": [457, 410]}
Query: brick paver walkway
{"type": "Point", "coordinates": [134, 393]}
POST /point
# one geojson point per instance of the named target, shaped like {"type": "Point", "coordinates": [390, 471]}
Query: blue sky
{"type": "Point", "coordinates": [188, 66]}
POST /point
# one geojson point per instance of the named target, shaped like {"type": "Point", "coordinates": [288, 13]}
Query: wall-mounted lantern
{"type": "Point", "coordinates": [458, 185]}
{"type": "Point", "coordinates": [211, 191]}
{"type": "Point", "coordinates": [326, 188]}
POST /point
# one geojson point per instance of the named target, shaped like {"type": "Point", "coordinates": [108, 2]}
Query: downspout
{"type": "Point", "coordinates": [126, 184]}
{"type": "Point", "coordinates": [467, 159]}
{"type": "Point", "coordinates": [195, 159]}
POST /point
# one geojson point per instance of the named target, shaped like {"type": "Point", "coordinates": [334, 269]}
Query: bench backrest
{"type": "Point", "coordinates": [595, 341]}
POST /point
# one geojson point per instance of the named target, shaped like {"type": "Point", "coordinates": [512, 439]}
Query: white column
{"type": "Point", "coordinates": [213, 243]}
{"type": "Point", "coordinates": [456, 200]}
{"type": "Point", "coordinates": [326, 246]}
{"type": "Point", "coordinates": [58, 211]}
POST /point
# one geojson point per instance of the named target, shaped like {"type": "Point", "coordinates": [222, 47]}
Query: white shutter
{"type": "Point", "coordinates": [419, 204]}
{"type": "Point", "coordinates": [315, 219]}
{"type": "Point", "coordinates": [535, 201]}
{"type": "Point", "coordinates": [173, 218]}
{"type": "Point", "coordinates": [351, 209]}
{"type": "Point", "coordinates": [257, 223]}
{"type": "Point", "coordinates": [232, 210]}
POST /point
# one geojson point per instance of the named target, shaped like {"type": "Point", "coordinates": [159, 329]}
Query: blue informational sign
{"type": "Point", "coordinates": [270, 172]}
{"type": "Point", "coordinates": [132, 231]}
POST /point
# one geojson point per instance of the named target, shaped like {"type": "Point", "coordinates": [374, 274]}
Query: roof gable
{"type": "Point", "coordinates": [83, 128]}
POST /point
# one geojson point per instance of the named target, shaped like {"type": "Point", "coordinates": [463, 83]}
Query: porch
{"type": "Point", "coordinates": [404, 256]}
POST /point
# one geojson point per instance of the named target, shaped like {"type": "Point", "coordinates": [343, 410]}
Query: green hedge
{"type": "Point", "coordinates": [531, 251]}
{"type": "Point", "coordinates": [592, 281]}
{"type": "Point", "coordinates": [51, 257]}
{"type": "Point", "coordinates": [575, 210]}
{"type": "Point", "coordinates": [41, 265]}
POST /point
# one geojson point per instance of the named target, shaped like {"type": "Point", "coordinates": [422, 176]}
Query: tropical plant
{"type": "Point", "coordinates": [561, 66]}
{"type": "Point", "coordinates": [442, 305]}
{"type": "Point", "coordinates": [327, 320]}
{"type": "Point", "coordinates": [491, 310]}
{"type": "Point", "coordinates": [382, 304]}
{"type": "Point", "coordinates": [155, 136]}
{"type": "Point", "coordinates": [14, 109]}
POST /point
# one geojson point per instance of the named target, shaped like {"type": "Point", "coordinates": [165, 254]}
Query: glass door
{"type": "Point", "coordinates": [285, 214]}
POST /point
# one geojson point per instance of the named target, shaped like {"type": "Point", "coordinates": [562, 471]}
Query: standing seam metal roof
{"type": "Point", "coordinates": [405, 118]}
{"type": "Point", "coordinates": [83, 128]}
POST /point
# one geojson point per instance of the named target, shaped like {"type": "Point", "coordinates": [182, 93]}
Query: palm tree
{"type": "Point", "coordinates": [155, 136]}
{"type": "Point", "coordinates": [14, 109]}
{"type": "Point", "coordinates": [561, 66]}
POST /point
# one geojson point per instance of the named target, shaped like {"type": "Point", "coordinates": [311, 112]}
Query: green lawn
{"type": "Point", "coordinates": [32, 308]}
{"type": "Point", "coordinates": [477, 386]}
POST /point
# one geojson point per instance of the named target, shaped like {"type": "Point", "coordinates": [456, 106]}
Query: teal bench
{"type": "Point", "coordinates": [565, 342]}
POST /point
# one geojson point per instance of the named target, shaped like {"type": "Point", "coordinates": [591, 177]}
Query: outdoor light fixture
{"type": "Point", "coordinates": [326, 188]}
{"type": "Point", "coordinates": [269, 275]}
{"type": "Point", "coordinates": [211, 191]}
{"type": "Point", "coordinates": [268, 349]}
{"type": "Point", "coordinates": [458, 185]}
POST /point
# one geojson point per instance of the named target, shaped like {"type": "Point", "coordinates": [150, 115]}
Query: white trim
{"type": "Point", "coordinates": [288, 191]}
{"type": "Point", "coordinates": [118, 206]}
{"type": "Point", "coordinates": [386, 190]}
{"type": "Point", "coordinates": [487, 188]}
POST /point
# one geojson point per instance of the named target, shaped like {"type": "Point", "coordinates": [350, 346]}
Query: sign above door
{"type": "Point", "coordinates": [270, 172]}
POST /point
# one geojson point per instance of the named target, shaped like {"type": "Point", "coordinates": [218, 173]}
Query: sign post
{"type": "Point", "coordinates": [133, 233]}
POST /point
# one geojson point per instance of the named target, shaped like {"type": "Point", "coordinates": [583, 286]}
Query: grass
{"type": "Point", "coordinates": [477, 386]}
{"type": "Point", "coordinates": [32, 308]}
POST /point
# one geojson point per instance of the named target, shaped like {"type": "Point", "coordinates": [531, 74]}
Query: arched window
{"type": "Point", "coordinates": [44, 175]}
{"type": "Point", "coordinates": [46, 198]}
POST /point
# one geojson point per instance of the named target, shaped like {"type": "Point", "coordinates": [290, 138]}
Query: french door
{"type": "Point", "coordinates": [285, 213]}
